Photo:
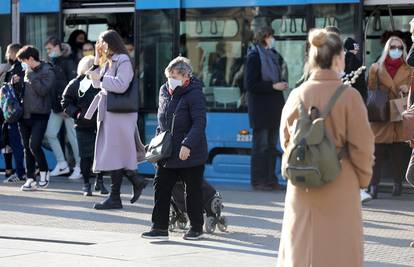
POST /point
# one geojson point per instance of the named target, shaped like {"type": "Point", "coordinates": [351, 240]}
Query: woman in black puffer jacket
{"type": "Point", "coordinates": [76, 100]}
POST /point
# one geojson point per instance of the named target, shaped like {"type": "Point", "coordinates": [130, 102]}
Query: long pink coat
{"type": "Point", "coordinates": [322, 227]}
{"type": "Point", "coordinates": [117, 143]}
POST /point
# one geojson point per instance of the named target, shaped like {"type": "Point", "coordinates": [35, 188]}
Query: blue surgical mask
{"type": "Point", "coordinates": [273, 44]}
{"type": "Point", "coordinates": [395, 53]}
{"type": "Point", "coordinates": [173, 83]}
{"type": "Point", "coordinates": [53, 54]}
{"type": "Point", "coordinates": [25, 67]}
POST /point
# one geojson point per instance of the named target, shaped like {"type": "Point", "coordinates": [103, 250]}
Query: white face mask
{"type": "Point", "coordinates": [173, 83]}
{"type": "Point", "coordinates": [84, 86]}
{"type": "Point", "coordinates": [25, 67]}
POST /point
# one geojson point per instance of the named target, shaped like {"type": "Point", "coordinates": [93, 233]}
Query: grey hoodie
{"type": "Point", "coordinates": [38, 89]}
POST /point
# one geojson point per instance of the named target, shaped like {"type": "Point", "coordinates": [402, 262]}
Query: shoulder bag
{"type": "Point", "coordinates": [378, 104]}
{"type": "Point", "coordinates": [160, 146]}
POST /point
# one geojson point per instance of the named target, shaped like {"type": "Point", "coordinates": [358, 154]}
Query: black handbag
{"type": "Point", "coordinates": [127, 102]}
{"type": "Point", "coordinates": [160, 147]}
{"type": "Point", "coordinates": [378, 104]}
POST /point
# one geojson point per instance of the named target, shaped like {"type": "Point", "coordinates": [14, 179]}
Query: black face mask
{"type": "Point", "coordinates": [79, 44]}
{"type": "Point", "coordinates": [11, 61]}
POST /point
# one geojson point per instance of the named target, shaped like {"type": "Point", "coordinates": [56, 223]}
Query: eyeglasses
{"type": "Point", "coordinates": [396, 47]}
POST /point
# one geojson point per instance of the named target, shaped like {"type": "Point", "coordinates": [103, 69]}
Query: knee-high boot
{"type": "Point", "coordinates": [114, 199]}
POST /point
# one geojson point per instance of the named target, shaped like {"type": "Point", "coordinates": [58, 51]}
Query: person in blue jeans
{"type": "Point", "coordinates": [11, 138]}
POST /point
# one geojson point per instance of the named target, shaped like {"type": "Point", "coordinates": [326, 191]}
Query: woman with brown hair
{"type": "Point", "coordinates": [315, 218]}
{"type": "Point", "coordinates": [393, 75]}
{"type": "Point", "coordinates": [117, 148]}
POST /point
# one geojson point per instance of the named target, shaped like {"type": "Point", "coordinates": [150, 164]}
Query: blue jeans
{"type": "Point", "coordinates": [14, 140]}
{"type": "Point", "coordinates": [53, 127]}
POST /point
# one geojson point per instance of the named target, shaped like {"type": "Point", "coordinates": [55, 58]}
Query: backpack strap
{"type": "Point", "coordinates": [333, 100]}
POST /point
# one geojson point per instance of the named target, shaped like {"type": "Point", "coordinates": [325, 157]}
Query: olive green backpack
{"type": "Point", "coordinates": [310, 159]}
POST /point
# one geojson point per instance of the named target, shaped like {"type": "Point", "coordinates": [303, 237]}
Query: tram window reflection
{"type": "Point", "coordinates": [342, 16]}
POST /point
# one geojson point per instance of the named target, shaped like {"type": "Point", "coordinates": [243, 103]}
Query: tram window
{"type": "Point", "coordinates": [342, 16]}
{"type": "Point", "coordinates": [37, 28]}
{"type": "Point", "coordinates": [210, 28]}
{"type": "Point", "coordinates": [290, 26]}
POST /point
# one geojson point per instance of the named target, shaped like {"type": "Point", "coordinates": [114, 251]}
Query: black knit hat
{"type": "Point", "coordinates": [350, 44]}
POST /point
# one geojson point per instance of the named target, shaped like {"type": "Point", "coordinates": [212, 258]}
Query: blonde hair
{"type": "Point", "coordinates": [324, 45]}
{"type": "Point", "coordinates": [85, 64]}
{"type": "Point", "coordinates": [387, 50]}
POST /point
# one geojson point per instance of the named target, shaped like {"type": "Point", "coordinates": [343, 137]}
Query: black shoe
{"type": "Point", "coordinates": [156, 234]}
{"type": "Point", "coordinates": [87, 191]}
{"type": "Point", "coordinates": [193, 235]}
{"type": "Point", "coordinates": [99, 186]}
{"type": "Point", "coordinates": [397, 190]}
{"type": "Point", "coordinates": [373, 191]}
{"type": "Point", "coordinates": [138, 184]}
{"type": "Point", "coordinates": [112, 202]}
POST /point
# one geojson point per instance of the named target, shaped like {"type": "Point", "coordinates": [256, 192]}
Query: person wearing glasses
{"type": "Point", "coordinates": [394, 76]}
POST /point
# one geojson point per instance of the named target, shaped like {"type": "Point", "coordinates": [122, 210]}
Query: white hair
{"type": "Point", "coordinates": [181, 64]}
{"type": "Point", "coordinates": [85, 64]}
{"type": "Point", "coordinates": [386, 50]}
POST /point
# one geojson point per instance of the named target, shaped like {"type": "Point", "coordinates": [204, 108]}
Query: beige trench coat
{"type": "Point", "coordinates": [323, 227]}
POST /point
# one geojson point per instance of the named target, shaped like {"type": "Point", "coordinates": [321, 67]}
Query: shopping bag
{"type": "Point", "coordinates": [397, 107]}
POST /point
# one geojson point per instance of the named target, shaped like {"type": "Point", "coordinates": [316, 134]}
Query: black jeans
{"type": "Point", "coordinates": [263, 159]}
{"type": "Point", "coordinates": [32, 131]}
{"type": "Point", "coordinates": [164, 181]}
{"type": "Point", "coordinates": [398, 156]}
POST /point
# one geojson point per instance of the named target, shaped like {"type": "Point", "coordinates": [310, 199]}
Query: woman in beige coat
{"type": "Point", "coordinates": [322, 227]}
{"type": "Point", "coordinates": [394, 76]}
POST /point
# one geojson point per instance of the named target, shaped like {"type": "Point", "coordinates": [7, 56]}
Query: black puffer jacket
{"type": "Point", "coordinates": [75, 103]}
{"type": "Point", "coordinates": [38, 88]}
{"type": "Point", "coordinates": [65, 71]}
{"type": "Point", "coordinates": [189, 125]}
{"type": "Point", "coordinates": [352, 63]}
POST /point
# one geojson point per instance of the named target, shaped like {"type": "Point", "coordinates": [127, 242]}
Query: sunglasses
{"type": "Point", "coordinates": [396, 47]}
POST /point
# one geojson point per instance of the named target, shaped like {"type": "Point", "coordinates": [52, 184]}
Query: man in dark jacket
{"type": "Point", "coordinates": [38, 85]}
{"type": "Point", "coordinates": [265, 81]}
{"type": "Point", "coordinates": [352, 63]}
{"type": "Point", "coordinates": [10, 131]}
{"type": "Point", "coordinates": [65, 71]}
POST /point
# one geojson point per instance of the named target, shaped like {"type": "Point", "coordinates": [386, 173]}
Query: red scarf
{"type": "Point", "coordinates": [392, 65]}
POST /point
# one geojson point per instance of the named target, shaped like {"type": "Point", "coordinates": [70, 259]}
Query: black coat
{"type": "Point", "coordinates": [265, 104]}
{"type": "Point", "coordinates": [16, 69]}
{"type": "Point", "coordinates": [189, 126]}
{"type": "Point", "coordinates": [65, 71]}
{"type": "Point", "coordinates": [76, 105]}
{"type": "Point", "coordinates": [352, 63]}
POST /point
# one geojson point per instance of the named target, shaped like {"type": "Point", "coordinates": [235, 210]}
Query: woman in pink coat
{"type": "Point", "coordinates": [118, 148]}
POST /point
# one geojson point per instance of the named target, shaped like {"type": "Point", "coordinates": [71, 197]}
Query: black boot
{"type": "Point", "coordinates": [373, 191]}
{"type": "Point", "coordinates": [99, 185]}
{"type": "Point", "coordinates": [397, 190]}
{"type": "Point", "coordinates": [87, 191]}
{"type": "Point", "coordinates": [114, 199]}
{"type": "Point", "coordinates": [138, 184]}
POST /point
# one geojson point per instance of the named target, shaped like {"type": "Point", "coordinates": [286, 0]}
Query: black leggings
{"type": "Point", "coordinates": [86, 169]}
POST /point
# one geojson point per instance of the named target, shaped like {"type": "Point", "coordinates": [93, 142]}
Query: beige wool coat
{"type": "Point", "coordinates": [322, 227]}
{"type": "Point", "coordinates": [389, 132]}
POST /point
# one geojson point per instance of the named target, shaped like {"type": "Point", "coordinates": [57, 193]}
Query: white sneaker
{"type": "Point", "coordinates": [60, 169]}
{"type": "Point", "coordinates": [76, 174]}
{"type": "Point", "coordinates": [44, 179]}
{"type": "Point", "coordinates": [365, 197]}
{"type": "Point", "coordinates": [30, 185]}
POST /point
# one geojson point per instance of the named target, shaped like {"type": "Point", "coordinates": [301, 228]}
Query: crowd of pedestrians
{"type": "Point", "coordinates": [84, 87]}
